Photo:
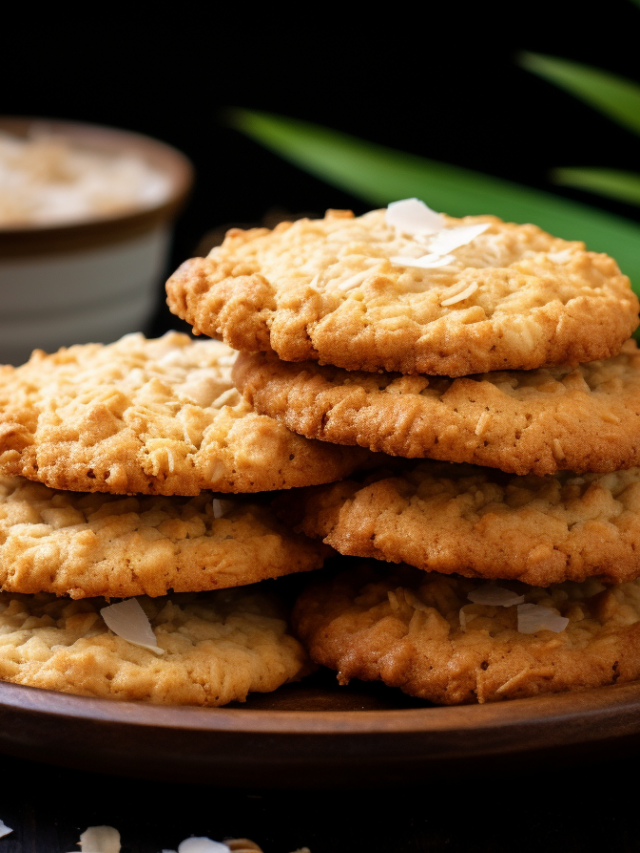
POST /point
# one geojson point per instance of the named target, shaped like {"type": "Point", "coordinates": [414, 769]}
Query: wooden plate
{"type": "Point", "coordinates": [316, 734]}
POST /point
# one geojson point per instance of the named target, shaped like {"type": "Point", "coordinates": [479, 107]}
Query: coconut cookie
{"type": "Point", "coordinates": [149, 417]}
{"type": "Point", "coordinates": [480, 523]}
{"type": "Point", "coordinates": [541, 421]}
{"type": "Point", "coordinates": [452, 640]}
{"type": "Point", "coordinates": [408, 290]}
{"type": "Point", "coordinates": [211, 649]}
{"type": "Point", "coordinates": [84, 545]}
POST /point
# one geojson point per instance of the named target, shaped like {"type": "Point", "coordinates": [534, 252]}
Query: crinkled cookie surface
{"type": "Point", "coordinates": [218, 647]}
{"type": "Point", "coordinates": [480, 523]}
{"type": "Point", "coordinates": [421, 633]}
{"type": "Point", "coordinates": [326, 290]}
{"type": "Point", "coordinates": [542, 421]}
{"type": "Point", "coordinates": [84, 545]}
{"type": "Point", "coordinates": [149, 417]}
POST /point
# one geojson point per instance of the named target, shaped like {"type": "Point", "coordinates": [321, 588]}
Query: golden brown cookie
{"type": "Point", "coordinates": [540, 421]}
{"type": "Point", "coordinates": [149, 417]}
{"type": "Point", "coordinates": [84, 545]}
{"type": "Point", "coordinates": [346, 291]}
{"type": "Point", "coordinates": [217, 648]}
{"type": "Point", "coordinates": [482, 523]}
{"type": "Point", "coordinates": [423, 634]}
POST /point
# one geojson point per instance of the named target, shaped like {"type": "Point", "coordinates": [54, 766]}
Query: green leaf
{"type": "Point", "coordinates": [379, 175]}
{"type": "Point", "coordinates": [624, 186]}
{"type": "Point", "coordinates": [617, 98]}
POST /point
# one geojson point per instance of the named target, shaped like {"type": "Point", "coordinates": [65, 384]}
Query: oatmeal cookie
{"type": "Point", "coordinates": [217, 648]}
{"type": "Point", "coordinates": [538, 421]}
{"type": "Point", "coordinates": [343, 291]}
{"type": "Point", "coordinates": [86, 545]}
{"type": "Point", "coordinates": [423, 634]}
{"type": "Point", "coordinates": [481, 523]}
{"type": "Point", "coordinates": [149, 417]}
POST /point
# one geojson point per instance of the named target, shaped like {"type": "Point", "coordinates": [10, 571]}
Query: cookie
{"type": "Point", "coordinates": [423, 634]}
{"type": "Point", "coordinates": [218, 647]}
{"type": "Point", "coordinates": [149, 417]}
{"type": "Point", "coordinates": [540, 421]}
{"type": "Point", "coordinates": [84, 545]}
{"type": "Point", "coordinates": [481, 523]}
{"type": "Point", "coordinates": [347, 291]}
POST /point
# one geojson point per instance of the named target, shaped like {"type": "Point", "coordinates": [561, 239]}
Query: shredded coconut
{"type": "Point", "coordinates": [459, 297]}
{"type": "Point", "coordinates": [47, 179]}
{"type": "Point", "coordinates": [106, 839]}
{"type": "Point", "coordinates": [412, 216]}
{"type": "Point", "coordinates": [483, 420]}
{"type": "Point", "coordinates": [453, 238]}
{"type": "Point", "coordinates": [353, 281]}
{"type": "Point", "coordinates": [558, 452]}
{"type": "Point", "coordinates": [535, 617]}
{"type": "Point", "coordinates": [128, 620]}
{"type": "Point", "coordinates": [202, 845]}
{"type": "Point", "coordinates": [231, 394]}
{"type": "Point", "coordinates": [100, 839]}
{"type": "Point", "coordinates": [463, 619]}
{"type": "Point", "coordinates": [426, 262]}
{"type": "Point", "coordinates": [562, 257]}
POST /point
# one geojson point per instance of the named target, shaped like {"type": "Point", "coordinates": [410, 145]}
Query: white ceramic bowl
{"type": "Point", "coordinates": [93, 280]}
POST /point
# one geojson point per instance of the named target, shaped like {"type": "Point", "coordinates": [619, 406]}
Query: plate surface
{"type": "Point", "coordinates": [316, 734]}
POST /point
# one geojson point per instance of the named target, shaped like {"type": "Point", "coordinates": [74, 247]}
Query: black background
{"type": "Point", "coordinates": [440, 80]}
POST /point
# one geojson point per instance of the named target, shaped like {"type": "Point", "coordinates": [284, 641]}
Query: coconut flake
{"type": "Point", "coordinates": [353, 281]}
{"type": "Point", "coordinates": [202, 845]}
{"type": "Point", "coordinates": [452, 238]}
{"type": "Point", "coordinates": [100, 839]}
{"type": "Point", "coordinates": [460, 297]}
{"type": "Point", "coordinates": [426, 262]}
{"type": "Point", "coordinates": [128, 620]}
{"type": "Point", "coordinates": [535, 617]}
{"type": "Point", "coordinates": [495, 596]}
{"type": "Point", "coordinates": [466, 618]}
{"type": "Point", "coordinates": [227, 360]}
{"type": "Point", "coordinates": [562, 257]}
{"type": "Point", "coordinates": [412, 216]}
{"type": "Point", "coordinates": [221, 507]}
{"type": "Point", "coordinates": [4, 829]}
{"type": "Point", "coordinates": [224, 398]}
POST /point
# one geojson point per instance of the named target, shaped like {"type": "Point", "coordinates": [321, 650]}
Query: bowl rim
{"type": "Point", "coordinates": [89, 233]}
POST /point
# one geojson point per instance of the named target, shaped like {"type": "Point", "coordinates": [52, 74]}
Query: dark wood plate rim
{"type": "Point", "coordinates": [605, 704]}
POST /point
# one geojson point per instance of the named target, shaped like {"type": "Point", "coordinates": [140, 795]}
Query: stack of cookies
{"type": "Point", "coordinates": [491, 364]}
{"type": "Point", "coordinates": [136, 471]}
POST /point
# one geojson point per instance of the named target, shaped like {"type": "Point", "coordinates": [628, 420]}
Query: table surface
{"type": "Point", "coordinates": [569, 809]}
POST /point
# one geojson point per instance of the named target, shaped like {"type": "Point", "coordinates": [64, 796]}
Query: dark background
{"type": "Point", "coordinates": [439, 80]}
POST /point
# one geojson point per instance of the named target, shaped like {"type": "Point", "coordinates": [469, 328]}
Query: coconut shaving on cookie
{"type": "Point", "coordinates": [207, 649]}
{"type": "Point", "coordinates": [482, 524]}
{"type": "Point", "coordinates": [409, 290]}
{"type": "Point", "coordinates": [452, 640]}
{"type": "Point", "coordinates": [149, 417]}
{"type": "Point", "coordinates": [85, 545]}
{"type": "Point", "coordinates": [540, 421]}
